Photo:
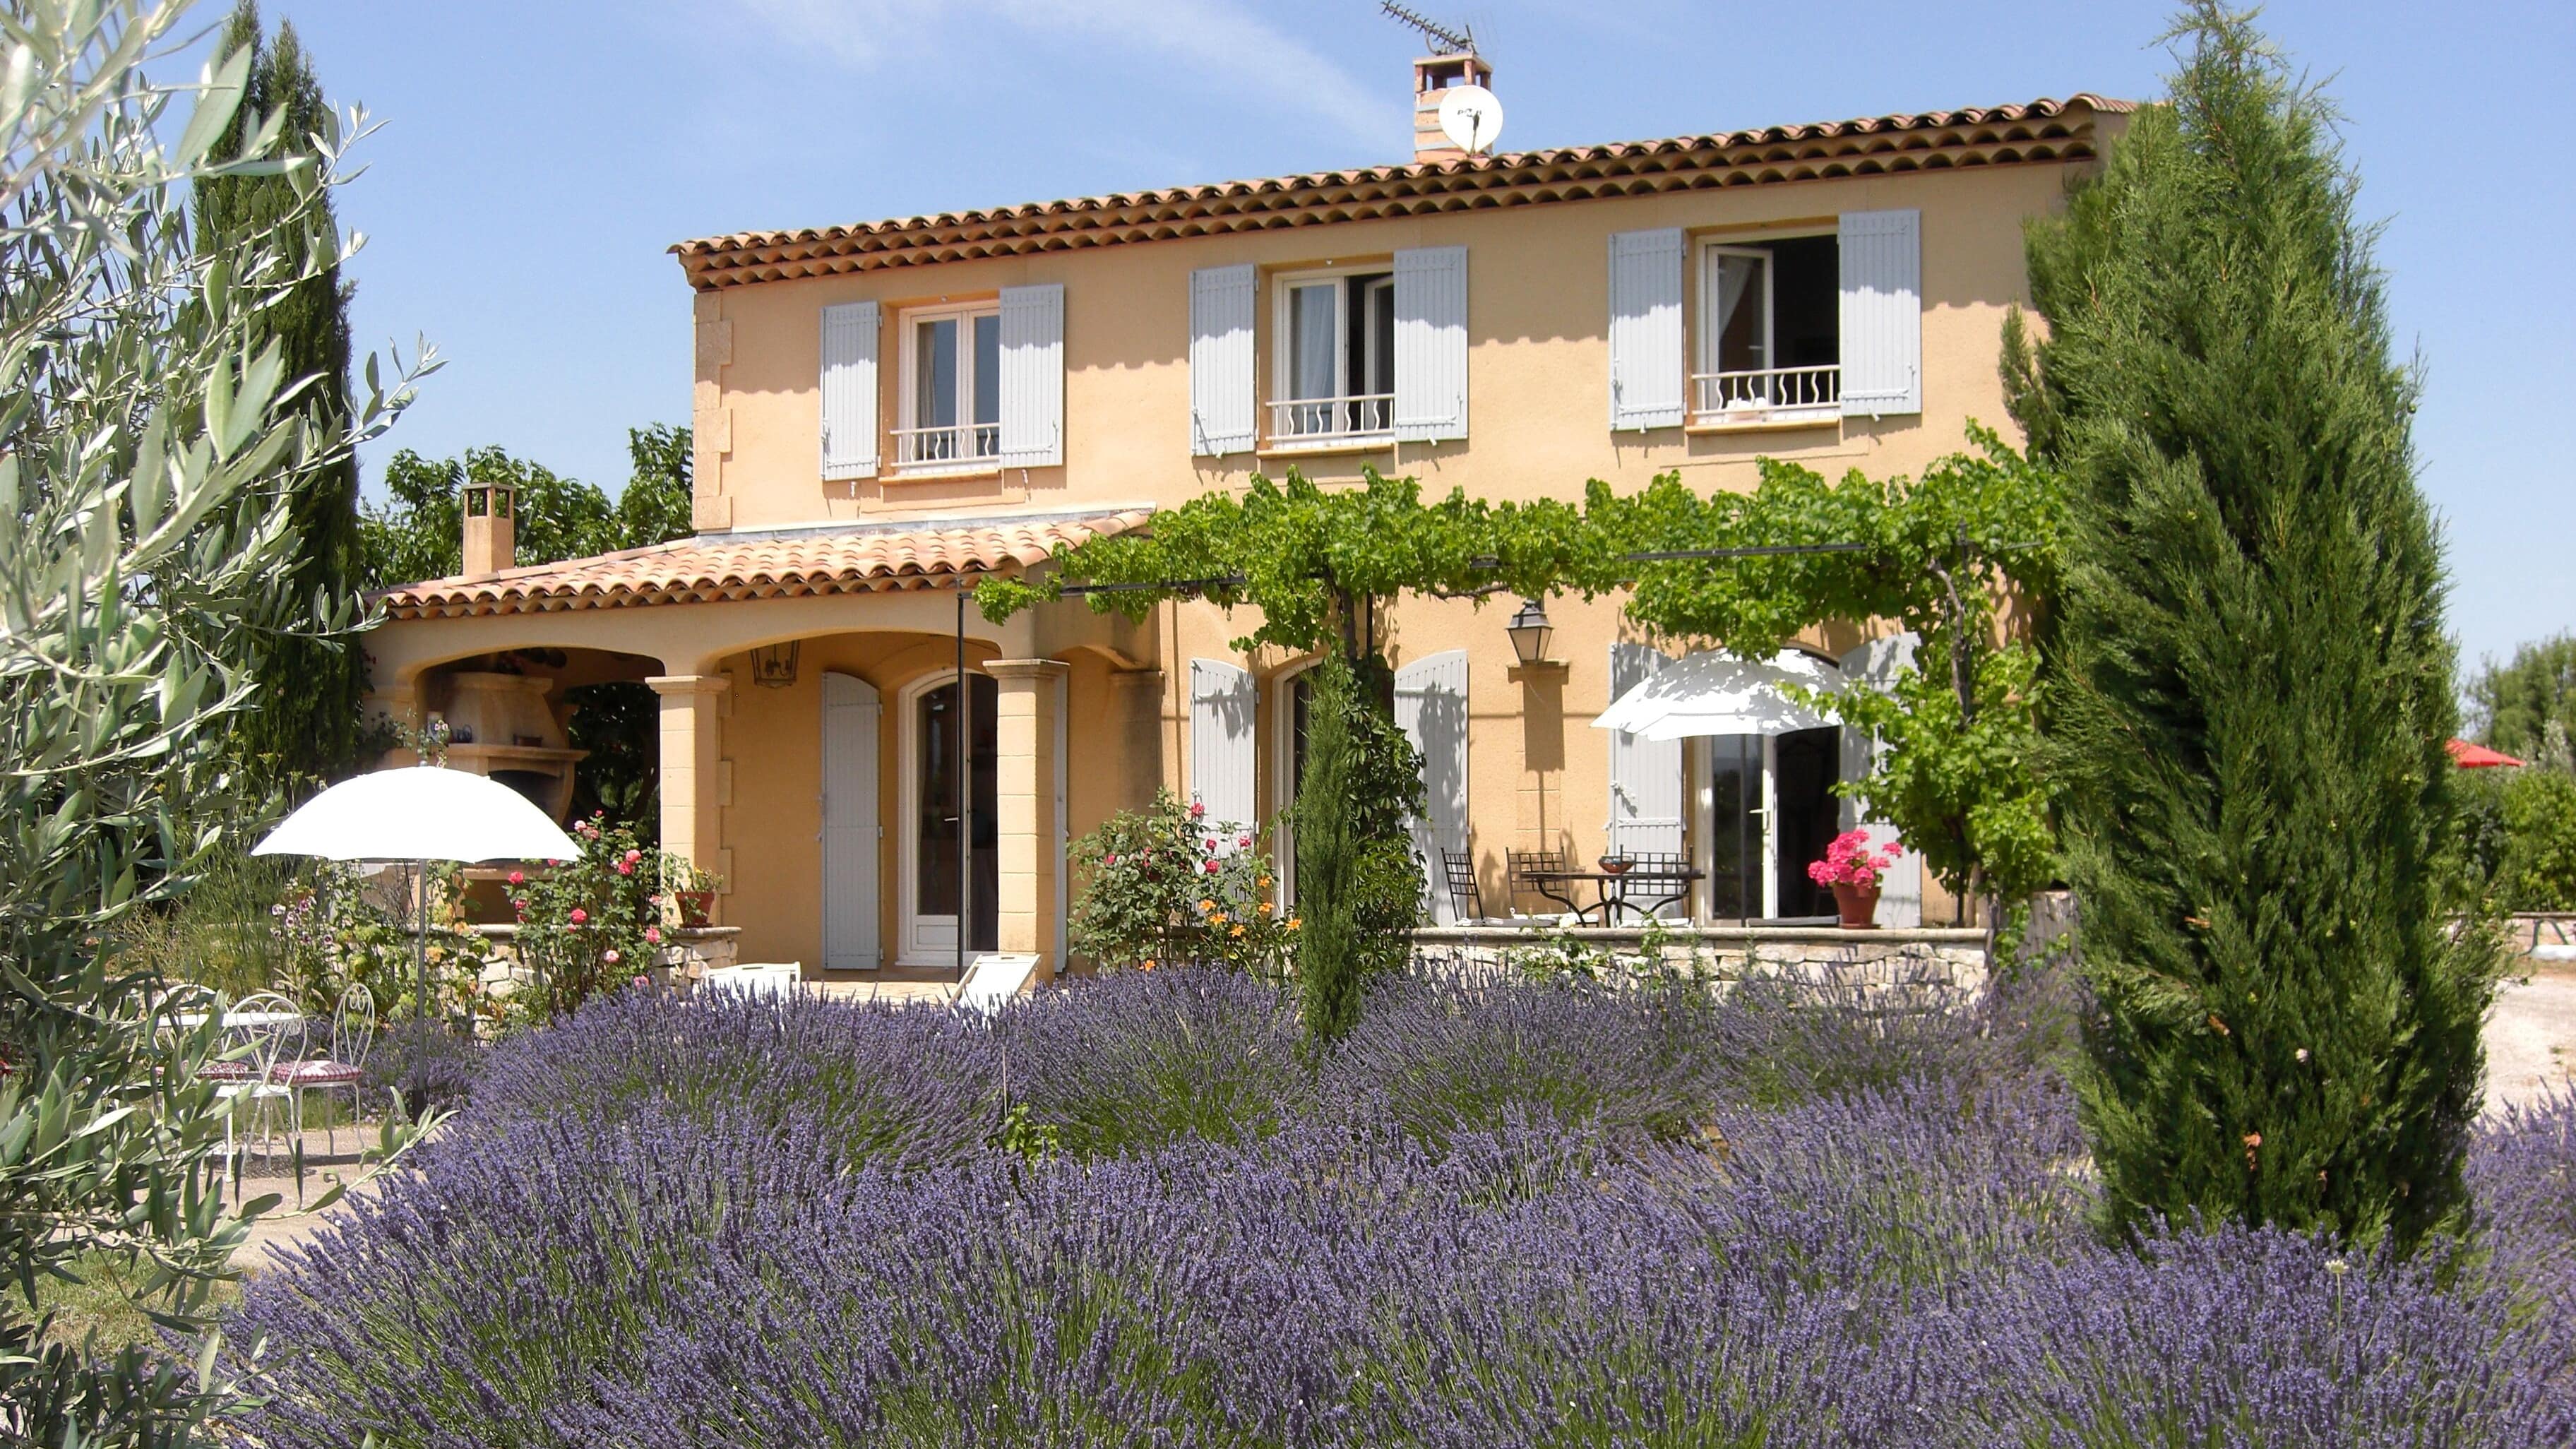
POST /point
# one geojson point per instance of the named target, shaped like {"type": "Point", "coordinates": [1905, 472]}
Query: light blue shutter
{"type": "Point", "coordinates": [1033, 376]}
{"type": "Point", "coordinates": [1431, 709]}
{"type": "Point", "coordinates": [850, 835]}
{"type": "Point", "coordinates": [1875, 665]}
{"type": "Point", "coordinates": [1221, 401]}
{"type": "Point", "coordinates": [849, 386]}
{"type": "Point", "coordinates": [1224, 773]}
{"type": "Point", "coordinates": [1882, 312]}
{"type": "Point", "coordinates": [1645, 775]}
{"type": "Point", "coordinates": [1430, 344]}
{"type": "Point", "coordinates": [1647, 365]}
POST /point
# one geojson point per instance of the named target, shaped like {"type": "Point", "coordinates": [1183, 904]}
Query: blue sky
{"type": "Point", "coordinates": [537, 157]}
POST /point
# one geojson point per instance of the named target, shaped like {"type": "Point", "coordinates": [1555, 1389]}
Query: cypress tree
{"type": "Point", "coordinates": [2253, 685]}
{"type": "Point", "coordinates": [1331, 945]}
{"type": "Point", "coordinates": [311, 687]}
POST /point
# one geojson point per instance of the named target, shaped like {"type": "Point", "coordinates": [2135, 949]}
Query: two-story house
{"type": "Point", "coordinates": [887, 412]}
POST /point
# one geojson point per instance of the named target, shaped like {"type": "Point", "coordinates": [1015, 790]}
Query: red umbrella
{"type": "Point", "coordinates": [2477, 757]}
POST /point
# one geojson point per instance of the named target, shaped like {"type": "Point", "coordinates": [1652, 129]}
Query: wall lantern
{"type": "Point", "coordinates": [1530, 632]}
{"type": "Point", "coordinates": [773, 666]}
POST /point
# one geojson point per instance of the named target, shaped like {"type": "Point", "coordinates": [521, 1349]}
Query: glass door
{"type": "Point", "coordinates": [1735, 814]}
{"type": "Point", "coordinates": [935, 825]}
{"type": "Point", "coordinates": [1808, 763]}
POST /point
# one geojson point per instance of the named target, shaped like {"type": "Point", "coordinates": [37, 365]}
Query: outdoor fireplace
{"type": "Point", "coordinates": [499, 725]}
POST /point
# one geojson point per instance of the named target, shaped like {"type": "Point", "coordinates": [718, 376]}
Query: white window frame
{"type": "Point", "coordinates": [1772, 395]}
{"type": "Point", "coordinates": [912, 948]}
{"type": "Point", "coordinates": [911, 439]}
{"type": "Point", "coordinates": [1340, 426]}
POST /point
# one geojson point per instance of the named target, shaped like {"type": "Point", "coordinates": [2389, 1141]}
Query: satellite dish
{"type": "Point", "coordinates": [1472, 117]}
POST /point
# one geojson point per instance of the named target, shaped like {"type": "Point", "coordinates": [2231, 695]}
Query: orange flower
{"type": "Point", "coordinates": [1265, 882]}
{"type": "Point", "coordinates": [1293, 923]}
{"type": "Point", "coordinates": [1207, 905]}
{"type": "Point", "coordinates": [1238, 931]}
{"type": "Point", "coordinates": [1265, 908]}
{"type": "Point", "coordinates": [1217, 920]}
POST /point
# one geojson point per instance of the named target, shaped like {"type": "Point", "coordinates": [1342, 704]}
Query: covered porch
{"type": "Point", "coordinates": [811, 743]}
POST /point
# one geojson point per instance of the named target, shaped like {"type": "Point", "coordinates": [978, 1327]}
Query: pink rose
{"type": "Point", "coordinates": [1244, 841]}
{"type": "Point", "coordinates": [633, 856]}
{"type": "Point", "coordinates": [610, 956]}
{"type": "Point", "coordinates": [639, 980]}
{"type": "Point", "coordinates": [518, 877]}
{"type": "Point", "coordinates": [579, 915]}
{"type": "Point", "coordinates": [652, 935]}
{"type": "Point", "coordinates": [1113, 860]}
{"type": "Point", "coordinates": [626, 867]}
{"type": "Point", "coordinates": [1211, 844]}
{"type": "Point", "coordinates": [1211, 867]}
{"type": "Point", "coordinates": [1197, 810]}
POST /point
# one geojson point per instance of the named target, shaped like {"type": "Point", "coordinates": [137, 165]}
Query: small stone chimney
{"type": "Point", "coordinates": [1434, 76]}
{"type": "Point", "coordinates": [491, 529]}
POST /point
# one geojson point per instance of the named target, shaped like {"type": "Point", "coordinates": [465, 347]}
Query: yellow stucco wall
{"type": "Point", "coordinates": [1538, 363]}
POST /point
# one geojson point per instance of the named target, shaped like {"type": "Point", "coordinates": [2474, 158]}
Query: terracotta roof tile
{"type": "Point", "coordinates": [759, 566]}
{"type": "Point", "coordinates": [2041, 130]}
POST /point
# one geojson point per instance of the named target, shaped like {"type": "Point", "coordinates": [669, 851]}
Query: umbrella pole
{"type": "Point", "coordinates": [420, 938]}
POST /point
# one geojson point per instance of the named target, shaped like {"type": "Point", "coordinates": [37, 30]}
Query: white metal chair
{"type": "Point", "coordinates": [258, 1024]}
{"type": "Point", "coordinates": [353, 1033]}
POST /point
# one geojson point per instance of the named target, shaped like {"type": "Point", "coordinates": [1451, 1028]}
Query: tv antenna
{"type": "Point", "coordinates": [1461, 41]}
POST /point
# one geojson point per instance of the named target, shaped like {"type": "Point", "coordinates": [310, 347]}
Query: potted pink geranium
{"type": "Point", "coordinates": [1853, 870]}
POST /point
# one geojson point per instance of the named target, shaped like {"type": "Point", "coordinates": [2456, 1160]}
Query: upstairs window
{"type": "Point", "coordinates": [1333, 359]}
{"type": "Point", "coordinates": [952, 388]}
{"type": "Point", "coordinates": [1769, 345]}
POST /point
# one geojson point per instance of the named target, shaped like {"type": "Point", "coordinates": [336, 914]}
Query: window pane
{"type": "Point", "coordinates": [1312, 316]}
{"type": "Point", "coordinates": [988, 368]}
{"type": "Point", "coordinates": [934, 373]}
{"type": "Point", "coordinates": [1743, 283]}
{"type": "Point", "coordinates": [935, 840]}
{"type": "Point", "coordinates": [1381, 333]}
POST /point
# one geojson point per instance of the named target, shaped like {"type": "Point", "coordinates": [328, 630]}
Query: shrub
{"type": "Point", "coordinates": [1171, 887]}
{"type": "Point", "coordinates": [663, 1238]}
{"type": "Point", "coordinates": [1445, 1052]}
{"type": "Point", "coordinates": [2253, 1336]}
{"type": "Point", "coordinates": [868, 1081]}
{"type": "Point", "coordinates": [426, 1063]}
{"type": "Point", "coordinates": [1141, 1060]}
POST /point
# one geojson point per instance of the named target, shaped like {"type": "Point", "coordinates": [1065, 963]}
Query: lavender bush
{"type": "Point", "coordinates": [870, 1081]}
{"type": "Point", "coordinates": [1501, 1213]}
{"type": "Point", "coordinates": [1145, 1058]}
{"type": "Point", "coordinates": [1454, 1050]}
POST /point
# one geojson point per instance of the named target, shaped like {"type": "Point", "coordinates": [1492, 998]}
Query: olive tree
{"type": "Point", "coordinates": [150, 448]}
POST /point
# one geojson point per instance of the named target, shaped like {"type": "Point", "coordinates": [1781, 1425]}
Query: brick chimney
{"type": "Point", "coordinates": [491, 529]}
{"type": "Point", "coordinates": [1434, 76]}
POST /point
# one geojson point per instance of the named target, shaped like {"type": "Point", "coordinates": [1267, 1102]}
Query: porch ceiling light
{"type": "Point", "coordinates": [773, 666]}
{"type": "Point", "coordinates": [1530, 632]}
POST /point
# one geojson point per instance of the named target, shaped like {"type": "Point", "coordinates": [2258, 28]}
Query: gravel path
{"type": "Point", "coordinates": [2531, 1034]}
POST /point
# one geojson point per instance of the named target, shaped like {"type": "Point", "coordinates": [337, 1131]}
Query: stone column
{"type": "Point", "coordinates": [1024, 728]}
{"type": "Point", "coordinates": [692, 821]}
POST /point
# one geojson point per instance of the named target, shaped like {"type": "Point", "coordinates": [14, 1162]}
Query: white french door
{"type": "Point", "coordinates": [932, 823]}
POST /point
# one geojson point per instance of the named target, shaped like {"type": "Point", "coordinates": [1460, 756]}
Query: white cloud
{"type": "Point", "coordinates": [1222, 42]}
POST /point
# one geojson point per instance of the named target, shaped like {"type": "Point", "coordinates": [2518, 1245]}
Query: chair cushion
{"type": "Point", "coordinates": [314, 1074]}
{"type": "Point", "coordinates": [229, 1071]}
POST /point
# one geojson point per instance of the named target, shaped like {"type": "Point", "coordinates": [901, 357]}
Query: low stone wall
{"type": "Point", "coordinates": [1913, 964]}
{"type": "Point", "coordinates": [688, 953]}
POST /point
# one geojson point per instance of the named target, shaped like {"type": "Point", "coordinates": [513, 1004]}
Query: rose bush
{"type": "Point", "coordinates": [1164, 886]}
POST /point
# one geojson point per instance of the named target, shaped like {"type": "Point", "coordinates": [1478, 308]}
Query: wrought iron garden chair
{"type": "Point", "coordinates": [353, 1034]}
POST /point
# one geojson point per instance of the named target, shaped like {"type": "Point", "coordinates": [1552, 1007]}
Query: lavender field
{"type": "Point", "coordinates": [1501, 1213]}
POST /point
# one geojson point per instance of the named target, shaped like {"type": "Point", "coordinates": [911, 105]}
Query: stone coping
{"type": "Point", "coordinates": [1690, 935]}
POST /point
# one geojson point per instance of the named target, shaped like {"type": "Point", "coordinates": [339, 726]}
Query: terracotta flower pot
{"type": "Point", "coordinates": [1858, 904]}
{"type": "Point", "coordinates": [697, 908]}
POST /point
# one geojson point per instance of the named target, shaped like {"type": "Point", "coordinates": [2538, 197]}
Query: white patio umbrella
{"type": "Point", "coordinates": [1710, 693]}
{"type": "Point", "coordinates": [416, 815]}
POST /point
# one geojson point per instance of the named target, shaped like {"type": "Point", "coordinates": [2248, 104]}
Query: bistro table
{"type": "Point", "coordinates": [1615, 890]}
